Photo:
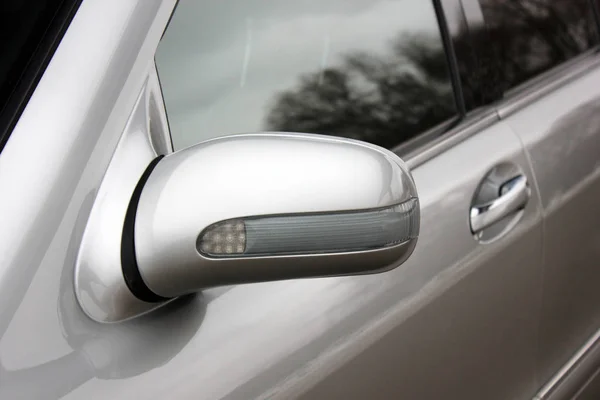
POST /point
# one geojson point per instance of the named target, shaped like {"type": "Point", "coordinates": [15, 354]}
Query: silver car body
{"type": "Point", "coordinates": [513, 318]}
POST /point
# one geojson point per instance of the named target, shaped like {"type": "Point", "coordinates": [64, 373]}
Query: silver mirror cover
{"type": "Point", "coordinates": [270, 206]}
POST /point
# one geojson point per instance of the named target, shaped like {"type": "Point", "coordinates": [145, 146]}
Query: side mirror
{"type": "Point", "coordinates": [256, 208]}
{"type": "Point", "coordinates": [265, 207]}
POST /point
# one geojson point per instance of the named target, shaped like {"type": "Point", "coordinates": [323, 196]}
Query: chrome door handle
{"type": "Point", "coordinates": [514, 194]}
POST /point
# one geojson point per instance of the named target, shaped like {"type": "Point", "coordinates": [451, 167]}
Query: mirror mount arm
{"type": "Point", "coordinates": [100, 287]}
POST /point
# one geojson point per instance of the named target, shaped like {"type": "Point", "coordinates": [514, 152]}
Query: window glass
{"type": "Point", "coordinates": [521, 39]}
{"type": "Point", "coordinates": [373, 70]}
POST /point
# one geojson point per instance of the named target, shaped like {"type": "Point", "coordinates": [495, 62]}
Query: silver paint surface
{"type": "Point", "coordinates": [562, 134]}
{"type": "Point", "coordinates": [458, 311]}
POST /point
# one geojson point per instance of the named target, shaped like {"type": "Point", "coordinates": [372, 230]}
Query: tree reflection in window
{"type": "Point", "coordinates": [380, 100]}
{"type": "Point", "coordinates": [388, 100]}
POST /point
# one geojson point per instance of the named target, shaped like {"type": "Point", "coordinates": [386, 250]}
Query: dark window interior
{"type": "Point", "coordinates": [520, 40]}
{"type": "Point", "coordinates": [29, 33]}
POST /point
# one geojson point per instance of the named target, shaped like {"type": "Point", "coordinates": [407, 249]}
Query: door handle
{"type": "Point", "coordinates": [513, 196]}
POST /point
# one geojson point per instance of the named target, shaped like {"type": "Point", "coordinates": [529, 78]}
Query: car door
{"type": "Point", "coordinates": [564, 150]}
{"type": "Point", "coordinates": [548, 78]}
{"type": "Point", "coordinates": [458, 320]}
{"type": "Point", "coordinates": [557, 120]}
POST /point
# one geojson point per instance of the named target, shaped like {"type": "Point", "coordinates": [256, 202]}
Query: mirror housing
{"type": "Point", "coordinates": [304, 205]}
{"type": "Point", "coordinates": [264, 207]}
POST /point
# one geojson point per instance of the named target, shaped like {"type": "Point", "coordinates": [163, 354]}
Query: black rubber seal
{"type": "Point", "coordinates": [129, 264]}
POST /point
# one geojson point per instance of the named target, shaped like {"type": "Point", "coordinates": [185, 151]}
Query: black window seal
{"type": "Point", "coordinates": [596, 11]}
{"type": "Point", "coordinates": [423, 139]}
{"type": "Point", "coordinates": [450, 58]}
{"type": "Point", "coordinates": [18, 99]}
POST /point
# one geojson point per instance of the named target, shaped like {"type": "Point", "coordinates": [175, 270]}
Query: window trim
{"type": "Point", "coordinates": [528, 92]}
{"type": "Point", "coordinates": [513, 101]}
{"type": "Point", "coordinates": [449, 133]}
{"type": "Point", "coordinates": [451, 59]}
{"type": "Point", "coordinates": [596, 10]}
{"type": "Point", "coordinates": [39, 60]}
{"type": "Point", "coordinates": [470, 126]}
{"type": "Point", "coordinates": [484, 117]}
{"type": "Point", "coordinates": [413, 145]}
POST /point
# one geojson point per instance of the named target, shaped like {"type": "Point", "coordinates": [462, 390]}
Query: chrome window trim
{"type": "Point", "coordinates": [575, 373]}
{"type": "Point", "coordinates": [473, 124]}
{"type": "Point", "coordinates": [417, 142]}
{"type": "Point", "coordinates": [530, 91]}
{"type": "Point", "coordinates": [515, 100]}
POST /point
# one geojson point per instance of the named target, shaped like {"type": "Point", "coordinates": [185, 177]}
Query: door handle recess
{"type": "Point", "coordinates": [514, 195]}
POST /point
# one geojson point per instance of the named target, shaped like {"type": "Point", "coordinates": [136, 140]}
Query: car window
{"type": "Point", "coordinates": [29, 33]}
{"type": "Point", "coordinates": [373, 70]}
{"type": "Point", "coordinates": [520, 40]}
